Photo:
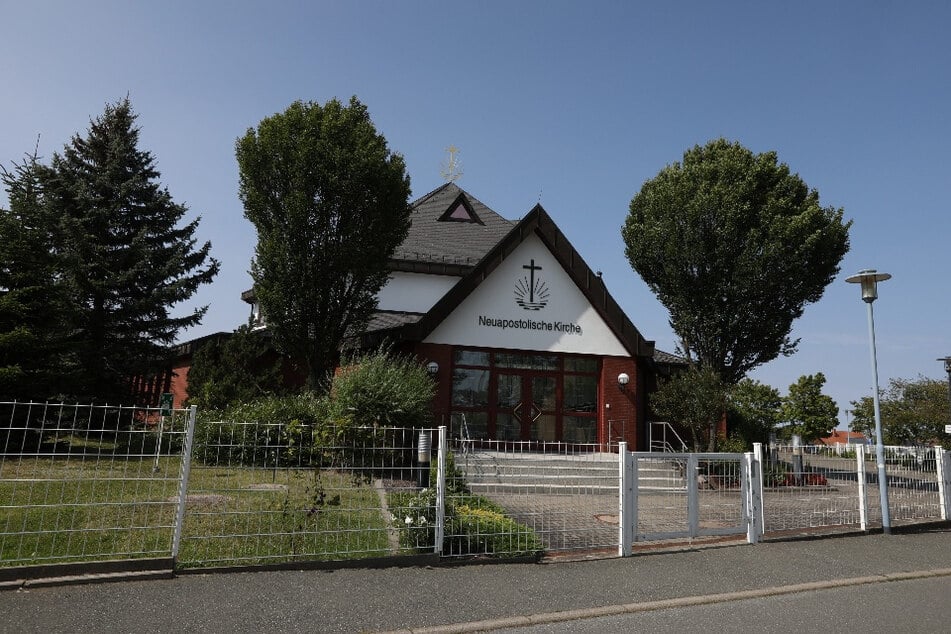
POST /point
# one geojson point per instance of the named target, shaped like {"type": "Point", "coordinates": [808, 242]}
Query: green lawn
{"type": "Point", "coordinates": [54, 510]}
{"type": "Point", "coordinates": [95, 508]}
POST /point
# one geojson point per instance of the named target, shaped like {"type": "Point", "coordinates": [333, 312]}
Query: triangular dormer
{"type": "Point", "coordinates": [460, 211]}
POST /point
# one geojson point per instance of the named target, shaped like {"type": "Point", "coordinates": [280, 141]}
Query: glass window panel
{"type": "Point", "coordinates": [580, 429]}
{"type": "Point", "coordinates": [543, 392]}
{"type": "Point", "coordinates": [470, 388]}
{"type": "Point", "coordinates": [581, 364]}
{"type": "Point", "coordinates": [526, 361]}
{"type": "Point", "coordinates": [471, 357]}
{"type": "Point", "coordinates": [509, 390]}
{"type": "Point", "coordinates": [580, 393]}
{"type": "Point", "coordinates": [470, 425]}
{"type": "Point", "coordinates": [507, 427]}
{"type": "Point", "coordinates": [544, 428]}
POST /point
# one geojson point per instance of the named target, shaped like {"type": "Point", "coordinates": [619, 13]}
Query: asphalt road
{"type": "Point", "coordinates": [796, 579]}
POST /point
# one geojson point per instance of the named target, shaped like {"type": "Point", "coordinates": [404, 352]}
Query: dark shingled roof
{"type": "Point", "coordinates": [448, 241]}
{"type": "Point", "coordinates": [538, 223]}
{"type": "Point", "coordinates": [670, 359]}
{"type": "Point", "coordinates": [386, 319]}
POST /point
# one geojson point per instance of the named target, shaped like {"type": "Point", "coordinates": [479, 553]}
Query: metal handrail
{"type": "Point", "coordinates": [662, 444]}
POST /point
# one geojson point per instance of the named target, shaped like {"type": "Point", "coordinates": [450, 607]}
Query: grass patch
{"type": "Point", "coordinates": [239, 516]}
{"type": "Point", "coordinates": [94, 507]}
{"type": "Point", "coordinates": [54, 510]}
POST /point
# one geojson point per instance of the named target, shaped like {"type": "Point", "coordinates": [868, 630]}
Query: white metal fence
{"type": "Point", "coordinates": [81, 483]}
{"type": "Point", "coordinates": [96, 483]}
{"type": "Point", "coordinates": [263, 493]}
{"type": "Point", "coordinates": [565, 495]}
{"type": "Point", "coordinates": [688, 495]}
{"type": "Point", "coordinates": [825, 487]}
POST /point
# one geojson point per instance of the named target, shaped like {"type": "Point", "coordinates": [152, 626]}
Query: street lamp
{"type": "Point", "coordinates": [947, 368]}
{"type": "Point", "coordinates": [869, 279]}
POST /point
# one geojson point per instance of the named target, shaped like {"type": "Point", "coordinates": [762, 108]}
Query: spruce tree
{"type": "Point", "coordinates": [126, 259]}
{"type": "Point", "coordinates": [33, 308]}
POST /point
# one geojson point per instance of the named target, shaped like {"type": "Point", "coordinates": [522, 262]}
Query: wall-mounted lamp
{"type": "Point", "coordinates": [432, 367]}
{"type": "Point", "coordinates": [622, 380]}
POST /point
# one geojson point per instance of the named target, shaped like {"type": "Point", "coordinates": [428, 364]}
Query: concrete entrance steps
{"type": "Point", "coordinates": [589, 473]}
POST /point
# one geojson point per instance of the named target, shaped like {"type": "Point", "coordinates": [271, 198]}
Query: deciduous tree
{"type": "Point", "coordinates": [914, 412]}
{"type": "Point", "coordinates": [330, 203]}
{"type": "Point", "coordinates": [754, 410]}
{"type": "Point", "coordinates": [694, 399]}
{"type": "Point", "coordinates": [735, 246]}
{"type": "Point", "coordinates": [808, 412]}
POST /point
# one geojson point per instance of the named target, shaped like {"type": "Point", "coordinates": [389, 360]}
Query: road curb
{"type": "Point", "coordinates": [664, 604]}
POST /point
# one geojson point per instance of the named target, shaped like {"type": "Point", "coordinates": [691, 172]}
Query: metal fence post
{"type": "Point", "coordinates": [943, 468]}
{"type": "Point", "coordinates": [860, 477]}
{"type": "Point", "coordinates": [626, 503]}
{"type": "Point", "coordinates": [752, 486]}
{"type": "Point", "coordinates": [693, 495]}
{"type": "Point", "coordinates": [758, 457]}
{"type": "Point", "coordinates": [441, 489]}
{"type": "Point", "coordinates": [183, 482]}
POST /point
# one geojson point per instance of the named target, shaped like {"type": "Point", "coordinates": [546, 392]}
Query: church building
{"type": "Point", "coordinates": [524, 340]}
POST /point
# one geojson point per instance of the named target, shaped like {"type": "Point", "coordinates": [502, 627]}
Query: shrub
{"type": "Point", "coordinates": [382, 388]}
{"type": "Point", "coordinates": [474, 525]}
{"type": "Point", "coordinates": [482, 530]}
{"type": "Point", "coordinates": [267, 432]}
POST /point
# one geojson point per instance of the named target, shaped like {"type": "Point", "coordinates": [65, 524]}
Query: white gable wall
{"type": "Point", "coordinates": [413, 292]}
{"type": "Point", "coordinates": [553, 316]}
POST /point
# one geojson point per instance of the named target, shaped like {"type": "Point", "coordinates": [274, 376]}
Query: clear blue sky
{"type": "Point", "coordinates": [572, 104]}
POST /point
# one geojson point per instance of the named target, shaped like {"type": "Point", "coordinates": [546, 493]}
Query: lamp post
{"type": "Point", "coordinates": [947, 368]}
{"type": "Point", "coordinates": [869, 279]}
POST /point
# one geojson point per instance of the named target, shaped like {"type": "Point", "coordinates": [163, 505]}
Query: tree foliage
{"type": "Point", "coordinates": [93, 258]}
{"type": "Point", "coordinates": [32, 300]}
{"type": "Point", "coordinates": [808, 412]}
{"type": "Point", "coordinates": [383, 388]}
{"type": "Point", "coordinates": [124, 257]}
{"type": "Point", "coordinates": [694, 399]}
{"type": "Point", "coordinates": [914, 412]}
{"type": "Point", "coordinates": [734, 246]}
{"type": "Point", "coordinates": [330, 203]}
{"type": "Point", "coordinates": [753, 411]}
{"type": "Point", "coordinates": [234, 369]}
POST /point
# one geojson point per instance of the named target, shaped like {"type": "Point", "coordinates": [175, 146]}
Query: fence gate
{"type": "Point", "coordinates": [678, 495]}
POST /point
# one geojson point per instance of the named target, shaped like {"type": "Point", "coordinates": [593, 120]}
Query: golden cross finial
{"type": "Point", "coordinates": [452, 169]}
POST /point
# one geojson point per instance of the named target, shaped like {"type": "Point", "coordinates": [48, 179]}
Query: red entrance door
{"type": "Point", "coordinates": [526, 406]}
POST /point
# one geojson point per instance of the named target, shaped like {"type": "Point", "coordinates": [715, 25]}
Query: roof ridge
{"type": "Point", "coordinates": [419, 201]}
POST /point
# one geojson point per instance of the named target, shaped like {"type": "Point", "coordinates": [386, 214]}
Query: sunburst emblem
{"type": "Point", "coordinates": [531, 292]}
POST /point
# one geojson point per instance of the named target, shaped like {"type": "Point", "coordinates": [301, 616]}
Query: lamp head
{"type": "Point", "coordinates": [869, 279]}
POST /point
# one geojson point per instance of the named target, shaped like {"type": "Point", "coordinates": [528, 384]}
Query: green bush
{"type": "Point", "coordinates": [483, 530]}
{"type": "Point", "coordinates": [382, 388]}
{"type": "Point", "coordinates": [474, 525]}
{"type": "Point", "coordinates": [267, 432]}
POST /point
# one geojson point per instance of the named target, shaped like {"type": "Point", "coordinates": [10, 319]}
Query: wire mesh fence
{"type": "Point", "coordinates": [560, 498]}
{"type": "Point", "coordinates": [269, 492]}
{"type": "Point", "coordinates": [99, 483]}
{"type": "Point", "coordinates": [834, 487]}
{"type": "Point", "coordinates": [82, 483]}
{"type": "Point", "coordinates": [817, 486]}
{"type": "Point", "coordinates": [689, 495]}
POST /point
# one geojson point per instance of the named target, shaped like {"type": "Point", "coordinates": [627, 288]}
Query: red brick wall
{"type": "Point", "coordinates": [441, 354]}
{"type": "Point", "coordinates": [617, 404]}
